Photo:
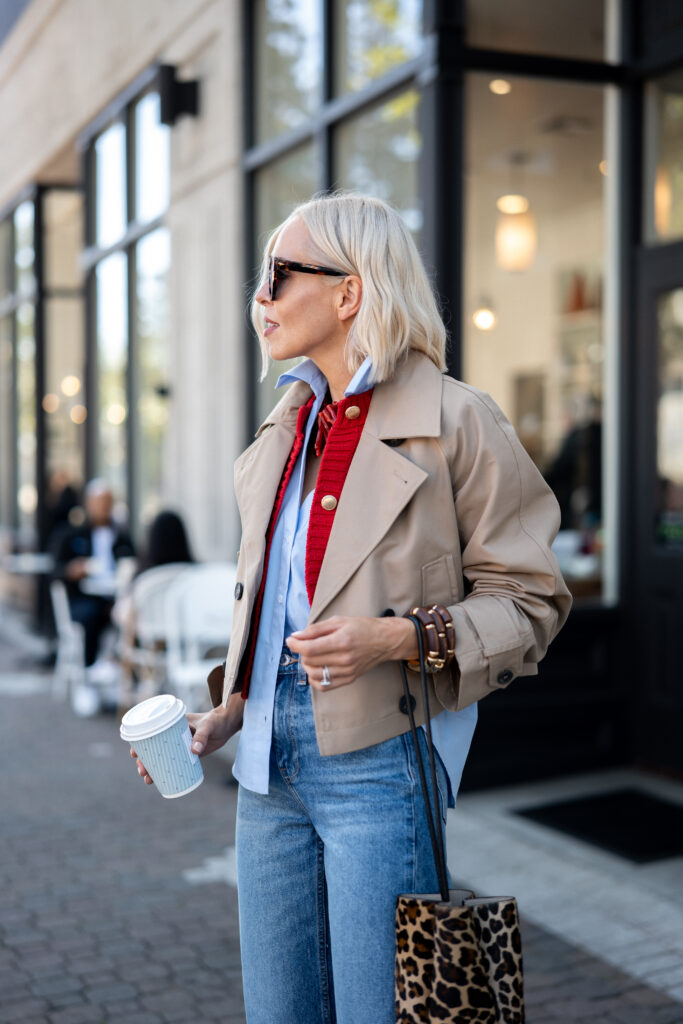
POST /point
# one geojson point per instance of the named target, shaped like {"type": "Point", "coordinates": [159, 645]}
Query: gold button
{"type": "Point", "coordinates": [352, 413]}
{"type": "Point", "coordinates": [329, 502]}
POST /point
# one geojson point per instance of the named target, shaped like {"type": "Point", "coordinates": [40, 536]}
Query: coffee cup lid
{"type": "Point", "coordinates": [151, 717]}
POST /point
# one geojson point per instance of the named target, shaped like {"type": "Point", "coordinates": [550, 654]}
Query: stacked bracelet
{"type": "Point", "coordinates": [438, 636]}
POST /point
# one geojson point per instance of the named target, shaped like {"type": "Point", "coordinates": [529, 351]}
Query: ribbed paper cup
{"type": "Point", "coordinates": [159, 733]}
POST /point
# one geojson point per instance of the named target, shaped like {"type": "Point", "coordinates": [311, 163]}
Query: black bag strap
{"type": "Point", "coordinates": [433, 817]}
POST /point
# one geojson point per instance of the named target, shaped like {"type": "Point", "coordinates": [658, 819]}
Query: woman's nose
{"type": "Point", "coordinates": [262, 294]}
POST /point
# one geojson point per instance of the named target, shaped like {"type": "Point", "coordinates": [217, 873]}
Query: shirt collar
{"type": "Point", "coordinates": [362, 378]}
{"type": "Point", "coordinates": [308, 372]}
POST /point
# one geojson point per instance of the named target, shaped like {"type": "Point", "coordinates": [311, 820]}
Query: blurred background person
{"type": "Point", "coordinates": [166, 542]}
{"type": "Point", "coordinates": [575, 474]}
{"type": "Point", "coordinates": [86, 557]}
{"type": "Point", "coordinates": [63, 496]}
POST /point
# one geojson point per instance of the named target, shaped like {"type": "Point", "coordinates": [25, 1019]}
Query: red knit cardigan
{"type": "Point", "coordinates": [336, 458]}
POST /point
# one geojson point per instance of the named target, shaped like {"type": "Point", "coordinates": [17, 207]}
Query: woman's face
{"type": "Point", "coordinates": [303, 319]}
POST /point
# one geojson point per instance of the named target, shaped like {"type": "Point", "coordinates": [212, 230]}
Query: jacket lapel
{"type": "Point", "coordinates": [381, 481]}
{"type": "Point", "coordinates": [379, 485]}
{"type": "Point", "coordinates": [259, 469]}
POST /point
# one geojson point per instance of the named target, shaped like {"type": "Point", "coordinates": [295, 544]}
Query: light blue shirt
{"type": "Point", "coordinates": [286, 608]}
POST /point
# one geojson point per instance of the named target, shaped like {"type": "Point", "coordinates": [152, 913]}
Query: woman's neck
{"type": "Point", "coordinates": [337, 374]}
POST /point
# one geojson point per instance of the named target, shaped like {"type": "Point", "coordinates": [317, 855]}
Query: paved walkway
{"type": "Point", "coordinates": [119, 906]}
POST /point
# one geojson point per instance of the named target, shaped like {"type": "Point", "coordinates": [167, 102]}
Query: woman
{"type": "Point", "coordinates": [167, 542]}
{"type": "Point", "coordinates": [412, 490]}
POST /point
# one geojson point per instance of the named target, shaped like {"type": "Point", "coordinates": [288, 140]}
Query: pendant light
{"type": "Point", "coordinates": [484, 317]}
{"type": "Point", "coordinates": [516, 235]}
{"type": "Point", "coordinates": [516, 240]}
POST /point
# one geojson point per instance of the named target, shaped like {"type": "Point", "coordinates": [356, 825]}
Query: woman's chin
{"type": "Point", "coordinates": [279, 351]}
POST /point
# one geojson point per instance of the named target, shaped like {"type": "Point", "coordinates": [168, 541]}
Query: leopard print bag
{"type": "Point", "coordinates": [458, 961]}
{"type": "Point", "coordinates": [458, 958]}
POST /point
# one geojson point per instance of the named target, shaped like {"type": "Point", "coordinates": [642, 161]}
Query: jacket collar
{"type": "Point", "coordinates": [392, 413]}
{"type": "Point", "coordinates": [408, 405]}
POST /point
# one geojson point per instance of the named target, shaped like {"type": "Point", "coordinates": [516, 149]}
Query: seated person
{"type": "Point", "coordinates": [88, 551]}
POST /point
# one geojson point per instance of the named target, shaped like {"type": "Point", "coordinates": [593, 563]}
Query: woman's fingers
{"type": "Point", "coordinates": [334, 684]}
{"type": "Point", "coordinates": [317, 629]}
{"type": "Point", "coordinates": [348, 645]}
{"type": "Point", "coordinates": [323, 647]}
{"type": "Point", "coordinates": [142, 771]}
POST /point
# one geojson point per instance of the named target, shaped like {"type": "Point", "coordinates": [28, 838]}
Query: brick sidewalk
{"type": "Point", "coordinates": [98, 923]}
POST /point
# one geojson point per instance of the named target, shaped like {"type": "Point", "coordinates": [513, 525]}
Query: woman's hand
{"type": "Point", "coordinates": [349, 646]}
{"type": "Point", "coordinates": [209, 731]}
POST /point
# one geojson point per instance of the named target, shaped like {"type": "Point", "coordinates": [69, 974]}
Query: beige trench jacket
{"type": "Point", "coordinates": [456, 514]}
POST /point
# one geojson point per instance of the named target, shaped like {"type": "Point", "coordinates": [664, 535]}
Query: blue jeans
{"type": "Point", "coordinates": [320, 862]}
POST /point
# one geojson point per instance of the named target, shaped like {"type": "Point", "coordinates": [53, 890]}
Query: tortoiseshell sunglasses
{"type": "Point", "coordinates": [278, 269]}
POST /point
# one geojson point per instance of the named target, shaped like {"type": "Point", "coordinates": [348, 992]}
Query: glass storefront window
{"type": "Point", "coordinates": [378, 153]}
{"type": "Point", "coordinates": [153, 259]}
{"type": "Point", "coordinates": [5, 258]}
{"type": "Point", "coordinates": [27, 495]}
{"type": "Point", "coordinates": [534, 26]}
{"type": "Point", "coordinates": [6, 426]}
{"type": "Point", "coordinates": [371, 39]}
{"type": "Point", "coordinates": [279, 187]}
{"type": "Point", "coordinates": [534, 333]}
{"type": "Point", "coordinates": [57, 349]}
{"type": "Point", "coordinates": [24, 248]}
{"type": "Point", "coordinates": [64, 398]}
{"type": "Point", "coordinates": [62, 238]}
{"type": "Point", "coordinates": [669, 517]}
{"type": "Point", "coordinates": [112, 361]}
{"type": "Point", "coordinates": [664, 157]}
{"type": "Point", "coordinates": [288, 64]}
{"type": "Point", "coordinates": [131, 193]}
{"type": "Point", "coordinates": [110, 185]}
{"type": "Point", "coordinates": [152, 160]}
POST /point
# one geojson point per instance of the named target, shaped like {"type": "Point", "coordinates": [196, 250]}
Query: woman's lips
{"type": "Point", "coordinates": [270, 326]}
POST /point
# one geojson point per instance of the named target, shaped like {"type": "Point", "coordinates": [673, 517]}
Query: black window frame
{"type": "Point", "coordinates": [120, 110]}
{"type": "Point", "coordinates": [438, 74]}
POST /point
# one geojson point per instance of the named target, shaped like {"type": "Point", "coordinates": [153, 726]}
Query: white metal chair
{"type": "Point", "coordinates": [87, 688]}
{"type": "Point", "coordinates": [70, 661]}
{"type": "Point", "coordinates": [144, 640]}
{"type": "Point", "coordinates": [199, 619]}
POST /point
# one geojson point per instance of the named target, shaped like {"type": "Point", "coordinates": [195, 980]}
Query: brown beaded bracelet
{"type": "Point", "coordinates": [444, 619]}
{"type": "Point", "coordinates": [438, 635]}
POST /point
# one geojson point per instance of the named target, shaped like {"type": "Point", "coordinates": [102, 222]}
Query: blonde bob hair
{"type": "Point", "coordinates": [365, 236]}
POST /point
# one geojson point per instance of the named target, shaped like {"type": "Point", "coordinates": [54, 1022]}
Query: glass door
{"type": "Point", "coordinates": [658, 603]}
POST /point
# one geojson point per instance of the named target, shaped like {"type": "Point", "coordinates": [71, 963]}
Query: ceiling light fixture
{"type": "Point", "coordinates": [70, 385]}
{"type": "Point", "coordinates": [516, 236]}
{"type": "Point", "coordinates": [512, 203]}
{"type": "Point", "coordinates": [516, 240]}
{"type": "Point", "coordinates": [484, 318]}
{"type": "Point", "coordinates": [663, 201]}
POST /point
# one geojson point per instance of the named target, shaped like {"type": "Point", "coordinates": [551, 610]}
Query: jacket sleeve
{"type": "Point", "coordinates": [515, 598]}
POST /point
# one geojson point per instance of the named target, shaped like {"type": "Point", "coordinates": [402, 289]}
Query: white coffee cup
{"type": "Point", "coordinates": [158, 731]}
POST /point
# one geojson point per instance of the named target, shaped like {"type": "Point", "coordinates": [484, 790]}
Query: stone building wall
{"type": "Point", "coordinates": [61, 65]}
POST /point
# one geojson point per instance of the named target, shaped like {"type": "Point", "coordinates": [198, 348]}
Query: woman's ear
{"type": "Point", "coordinates": [349, 297]}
